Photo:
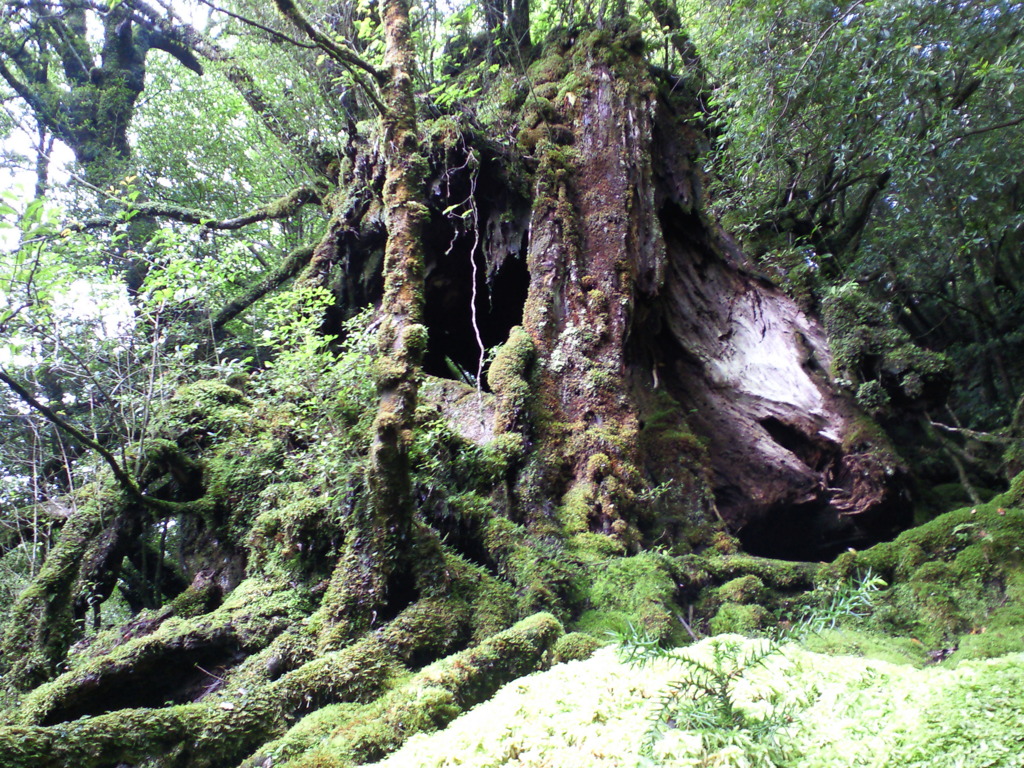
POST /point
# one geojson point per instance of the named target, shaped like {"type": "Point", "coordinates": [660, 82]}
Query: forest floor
{"type": "Point", "coordinates": [841, 710]}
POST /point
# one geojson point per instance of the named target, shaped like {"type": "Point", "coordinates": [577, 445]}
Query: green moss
{"type": "Point", "coordinates": [428, 701]}
{"type": "Point", "coordinates": [724, 544]}
{"type": "Point", "coordinates": [949, 577]}
{"type": "Point", "coordinates": [744, 590]}
{"type": "Point", "coordinates": [294, 529]}
{"type": "Point", "coordinates": [493, 606]}
{"type": "Point", "coordinates": [844, 711]}
{"type": "Point", "coordinates": [603, 624]}
{"type": "Point", "coordinates": [1014, 497]}
{"type": "Point", "coordinates": [870, 645]}
{"type": "Point", "coordinates": [574, 512]}
{"type": "Point", "coordinates": [596, 546]}
{"type": "Point", "coordinates": [865, 435]}
{"type": "Point", "coordinates": [910, 559]}
{"type": "Point", "coordinates": [783, 575]}
{"type": "Point", "coordinates": [551, 68]}
{"type": "Point", "coordinates": [1002, 634]}
{"type": "Point", "coordinates": [543, 573]}
{"type": "Point", "coordinates": [203, 411]}
{"type": "Point", "coordinates": [575, 646]}
{"type": "Point", "coordinates": [41, 624]}
{"type": "Point", "coordinates": [252, 615]}
{"type": "Point", "coordinates": [639, 589]}
{"type": "Point", "coordinates": [414, 338]}
{"type": "Point", "coordinates": [508, 378]}
{"type": "Point", "coordinates": [867, 346]}
{"type": "Point", "coordinates": [196, 600]}
{"type": "Point", "coordinates": [732, 618]}
{"type": "Point", "coordinates": [235, 476]}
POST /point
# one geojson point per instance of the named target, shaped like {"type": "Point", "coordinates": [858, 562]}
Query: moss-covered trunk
{"type": "Point", "coordinates": [374, 575]}
{"type": "Point", "coordinates": [595, 245]}
{"type": "Point", "coordinates": [670, 387]}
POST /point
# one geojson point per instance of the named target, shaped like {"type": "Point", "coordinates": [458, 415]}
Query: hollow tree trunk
{"type": "Point", "coordinates": [661, 358]}
{"type": "Point", "coordinates": [650, 385]}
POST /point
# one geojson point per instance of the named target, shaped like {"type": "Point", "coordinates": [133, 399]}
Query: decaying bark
{"type": "Point", "coordinates": [639, 302]}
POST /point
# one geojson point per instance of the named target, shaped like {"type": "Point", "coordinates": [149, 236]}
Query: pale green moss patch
{"type": "Point", "coordinates": [848, 711]}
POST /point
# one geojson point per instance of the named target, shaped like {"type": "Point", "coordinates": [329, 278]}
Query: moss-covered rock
{"type": "Point", "coordinates": [842, 711]}
{"type": "Point", "coordinates": [736, 619]}
{"type": "Point", "coordinates": [742, 591]}
{"type": "Point", "coordinates": [575, 646]}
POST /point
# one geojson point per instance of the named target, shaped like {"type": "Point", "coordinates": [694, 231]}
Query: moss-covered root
{"type": "Point", "coordinates": [221, 728]}
{"type": "Point", "coordinates": [167, 664]}
{"type": "Point", "coordinates": [342, 735]}
{"type": "Point", "coordinates": [42, 624]}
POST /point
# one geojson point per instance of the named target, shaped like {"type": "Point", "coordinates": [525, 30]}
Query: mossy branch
{"type": "Point", "coordinates": [289, 267]}
{"type": "Point", "coordinates": [281, 208]}
{"type": "Point", "coordinates": [339, 52]}
{"type": "Point", "coordinates": [125, 480]}
{"type": "Point", "coordinates": [428, 701]}
{"type": "Point", "coordinates": [222, 728]}
{"type": "Point", "coordinates": [982, 437]}
{"type": "Point", "coordinates": [257, 25]}
{"type": "Point", "coordinates": [46, 107]}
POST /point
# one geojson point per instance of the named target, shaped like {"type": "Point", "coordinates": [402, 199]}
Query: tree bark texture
{"type": "Point", "coordinates": [638, 303]}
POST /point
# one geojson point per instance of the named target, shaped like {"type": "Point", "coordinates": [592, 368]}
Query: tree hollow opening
{"type": "Point", "coordinates": [459, 342]}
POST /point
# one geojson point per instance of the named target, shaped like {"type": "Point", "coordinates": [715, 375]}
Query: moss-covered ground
{"type": "Point", "coordinates": [847, 711]}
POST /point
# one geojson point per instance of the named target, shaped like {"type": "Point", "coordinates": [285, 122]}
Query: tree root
{"type": "Point", "coordinates": [339, 736]}
{"type": "Point", "coordinates": [169, 663]}
{"type": "Point", "coordinates": [222, 728]}
{"type": "Point", "coordinates": [42, 623]}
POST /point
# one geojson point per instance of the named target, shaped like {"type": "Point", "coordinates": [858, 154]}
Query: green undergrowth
{"type": "Point", "coordinates": [844, 711]}
{"type": "Point", "coordinates": [957, 582]}
{"type": "Point", "coordinates": [877, 360]}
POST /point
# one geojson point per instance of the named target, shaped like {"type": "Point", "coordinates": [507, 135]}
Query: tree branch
{"type": "Point", "coordinates": [36, 103]}
{"type": "Point", "coordinates": [854, 225]}
{"type": "Point", "coordinates": [988, 128]}
{"type": "Point", "coordinates": [281, 208]}
{"type": "Point", "coordinates": [340, 53]}
{"type": "Point", "coordinates": [122, 477]}
{"type": "Point", "coordinates": [253, 23]}
{"type": "Point", "coordinates": [290, 266]}
{"type": "Point", "coordinates": [983, 437]}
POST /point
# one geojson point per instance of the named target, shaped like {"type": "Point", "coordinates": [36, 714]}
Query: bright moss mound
{"type": "Point", "coordinates": [846, 711]}
{"type": "Point", "coordinates": [957, 582]}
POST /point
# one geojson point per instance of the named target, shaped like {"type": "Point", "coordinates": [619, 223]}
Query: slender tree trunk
{"type": "Point", "coordinates": [363, 584]}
